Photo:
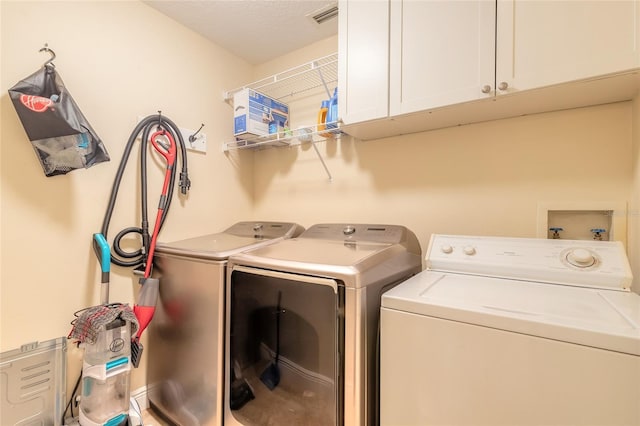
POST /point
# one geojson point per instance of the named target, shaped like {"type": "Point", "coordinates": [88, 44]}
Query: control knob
{"type": "Point", "coordinates": [469, 250]}
{"type": "Point", "coordinates": [348, 230]}
{"type": "Point", "coordinates": [446, 249]}
{"type": "Point", "coordinates": [581, 258]}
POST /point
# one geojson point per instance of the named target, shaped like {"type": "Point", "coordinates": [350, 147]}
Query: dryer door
{"type": "Point", "coordinates": [286, 341]}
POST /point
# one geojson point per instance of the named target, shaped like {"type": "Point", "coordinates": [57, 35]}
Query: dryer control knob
{"type": "Point", "coordinates": [446, 249]}
{"type": "Point", "coordinates": [581, 258]}
{"type": "Point", "coordinates": [257, 227]}
{"type": "Point", "coordinates": [348, 230]}
{"type": "Point", "coordinates": [469, 250]}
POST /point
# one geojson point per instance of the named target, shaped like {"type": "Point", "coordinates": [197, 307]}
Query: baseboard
{"type": "Point", "coordinates": [307, 378]}
{"type": "Point", "coordinates": [140, 396]}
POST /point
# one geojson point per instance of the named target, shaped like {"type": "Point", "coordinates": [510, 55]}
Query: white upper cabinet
{"type": "Point", "coordinates": [439, 58]}
{"type": "Point", "coordinates": [363, 65]}
{"type": "Point", "coordinates": [541, 43]}
{"type": "Point", "coordinates": [442, 52]}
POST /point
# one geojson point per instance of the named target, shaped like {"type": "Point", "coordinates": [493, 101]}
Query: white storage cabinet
{"type": "Point", "coordinates": [443, 53]}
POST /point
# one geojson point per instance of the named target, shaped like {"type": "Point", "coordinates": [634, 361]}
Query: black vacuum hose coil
{"type": "Point", "coordinates": [143, 129]}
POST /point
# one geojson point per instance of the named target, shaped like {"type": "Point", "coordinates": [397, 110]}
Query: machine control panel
{"type": "Point", "coordinates": [392, 234]}
{"type": "Point", "coordinates": [601, 264]}
{"type": "Point", "coordinates": [264, 230]}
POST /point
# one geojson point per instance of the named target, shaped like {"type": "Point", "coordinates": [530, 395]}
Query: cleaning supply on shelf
{"type": "Point", "coordinates": [304, 134]}
{"type": "Point", "coordinates": [322, 117]}
{"type": "Point", "coordinates": [256, 114]}
{"type": "Point", "coordinates": [332, 112]}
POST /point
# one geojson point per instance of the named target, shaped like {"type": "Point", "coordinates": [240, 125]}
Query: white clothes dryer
{"type": "Point", "coordinates": [513, 331]}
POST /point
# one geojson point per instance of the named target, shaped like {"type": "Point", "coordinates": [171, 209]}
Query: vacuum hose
{"type": "Point", "coordinates": [151, 123]}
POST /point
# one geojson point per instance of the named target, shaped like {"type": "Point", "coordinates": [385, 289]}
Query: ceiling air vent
{"type": "Point", "coordinates": [324, 14]}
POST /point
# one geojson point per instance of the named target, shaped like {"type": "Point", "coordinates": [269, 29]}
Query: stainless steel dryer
{"type": "Point", "coordinates": [302, 324]}
{"type": "Point", "coordinates": [185, 348]}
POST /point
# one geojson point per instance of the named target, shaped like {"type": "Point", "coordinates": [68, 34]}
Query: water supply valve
{"type": "Point", "coordinates": [597, 233]}
{"type": "Point", "coordinates": [556, 232]}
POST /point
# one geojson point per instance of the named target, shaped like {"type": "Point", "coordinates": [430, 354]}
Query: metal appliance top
{"type": "Point", "coordinates": [390, 234]}
{"type": "Point", "coordinates": [356, 254]}
{"type": "Point", "coordinates": [238, 237]}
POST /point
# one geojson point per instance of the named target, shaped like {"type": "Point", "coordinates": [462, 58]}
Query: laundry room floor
{"type": "Point", "coordinates": [149, 418]}
{"type": "Point", "coordinates": [283, 405]}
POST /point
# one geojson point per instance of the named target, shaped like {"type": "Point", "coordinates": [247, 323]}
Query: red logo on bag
{"type": "Point", "coordinates": [36, 103]}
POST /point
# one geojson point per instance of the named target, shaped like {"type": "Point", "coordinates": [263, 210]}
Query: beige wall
{"type": "Point", "coordinates": [482, 179]}
{"type": "Point", "coordinates": [634, 203]}
{"type": "Point", "coordinates": [120, 61]}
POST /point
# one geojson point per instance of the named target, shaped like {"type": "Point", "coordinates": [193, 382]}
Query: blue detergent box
{"type": "Point", "coordinates": [256, 114]}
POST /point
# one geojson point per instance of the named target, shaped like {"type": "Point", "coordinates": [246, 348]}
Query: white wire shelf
{"type": "Point", "coordinates": [290, 138]}
{"type": "Point", "coordinates": [286, 85]}
{"type": "Point", "coordinates": [321, 72]}
{"type": "Point", "coordinates": [299, 136]}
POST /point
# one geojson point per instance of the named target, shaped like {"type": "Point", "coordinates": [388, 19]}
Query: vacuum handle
{"type": "Point", "coordinates": [102, 250]}
{"type": "Point", "coordinates": [166, 148]}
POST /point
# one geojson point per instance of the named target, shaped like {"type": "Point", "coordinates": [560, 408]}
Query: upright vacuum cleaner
{"type": "Point", "coordinates": [105, 331]}
{"type": "Point", "coordinates": [111, 331]}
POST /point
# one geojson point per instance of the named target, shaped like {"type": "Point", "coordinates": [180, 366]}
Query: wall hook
{"type": "Point", "coordinates": [160, 120]}
{"type": "Point", "coordinates": [192, 138]}
{"type": "Point", "coordinates": [49, 63]}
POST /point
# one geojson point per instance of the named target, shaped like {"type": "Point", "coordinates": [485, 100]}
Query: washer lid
{"type": "Point", "coordinates": [604, 319]}
{"type": "Point", "coordinates": [355, 264]}
{"type": "Point", "coordinates": [239, 237]}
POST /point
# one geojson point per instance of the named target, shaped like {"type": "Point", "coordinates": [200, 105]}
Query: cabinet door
{"type": "Point", "coordinates": [363, 60]}
{"type": "Point", "coordinates": [442, 53]}
{"type": "Point", "coordinates": [545, 42]}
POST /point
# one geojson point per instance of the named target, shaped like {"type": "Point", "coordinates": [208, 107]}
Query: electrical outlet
{"type": "Point", "coordinates": [199, 142]}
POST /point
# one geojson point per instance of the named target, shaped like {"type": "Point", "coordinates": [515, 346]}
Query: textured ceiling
{"type": "Point", "coordinates": [256, 30]}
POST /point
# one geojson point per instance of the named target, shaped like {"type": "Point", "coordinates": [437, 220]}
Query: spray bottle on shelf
{"type": "Point", "coordinates": [332, 112]}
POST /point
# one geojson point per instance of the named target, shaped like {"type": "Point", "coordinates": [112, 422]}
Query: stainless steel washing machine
{"type": "Point", "coordinates": [302, 324]}
{"type": "Point", "coordinates": [185, 348]}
